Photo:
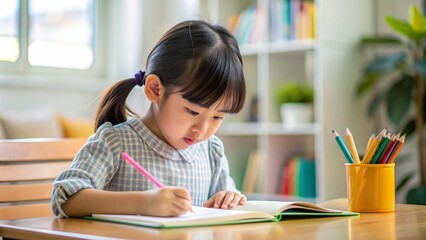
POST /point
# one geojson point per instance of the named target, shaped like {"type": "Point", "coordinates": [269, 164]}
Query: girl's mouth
{"type": "Point", "coordinates": [189, 141]}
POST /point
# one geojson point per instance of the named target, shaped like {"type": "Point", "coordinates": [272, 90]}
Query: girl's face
{"type": "Point", "coordinates": [181, 123]}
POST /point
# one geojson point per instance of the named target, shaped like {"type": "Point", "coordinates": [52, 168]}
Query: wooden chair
{"type": "Point", "coordinates": [27, 170]}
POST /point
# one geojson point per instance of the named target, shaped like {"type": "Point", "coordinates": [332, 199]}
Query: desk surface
{"type": "Point", "coordinates": [408, 222]}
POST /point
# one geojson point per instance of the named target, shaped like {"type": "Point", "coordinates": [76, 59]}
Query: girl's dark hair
{"type": "Point", "coordinates": [200, 61]}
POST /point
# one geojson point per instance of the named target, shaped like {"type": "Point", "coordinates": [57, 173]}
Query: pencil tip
{"type": "Point", "coordinates": [334, 133]}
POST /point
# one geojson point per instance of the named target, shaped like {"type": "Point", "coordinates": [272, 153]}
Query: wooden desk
{"type": "Point", "coordinates": [408, 222]}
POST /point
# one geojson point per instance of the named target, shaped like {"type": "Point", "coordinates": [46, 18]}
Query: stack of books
{"type": "Point", "coordinates": [287, 20]}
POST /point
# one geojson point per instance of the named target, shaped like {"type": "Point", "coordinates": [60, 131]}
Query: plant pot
{"type": "Point", "coordinates": [295, 113]}
{"type": "Point", "coordinates": [417, 196]}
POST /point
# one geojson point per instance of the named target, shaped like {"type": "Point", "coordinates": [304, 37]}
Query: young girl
{"type": "Point", "coordinates": [193, 78]}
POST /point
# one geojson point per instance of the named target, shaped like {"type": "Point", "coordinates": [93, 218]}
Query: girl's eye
{"type": "Point", "coordinates": [192, 112]}
{"type": "Point", "coordinates": [218, 118]}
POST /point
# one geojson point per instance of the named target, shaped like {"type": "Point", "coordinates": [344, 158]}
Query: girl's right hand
{"type": "Point", "coordinates": [165, 202]}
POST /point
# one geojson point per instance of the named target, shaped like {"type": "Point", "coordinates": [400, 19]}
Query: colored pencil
{"type": "Point", "coordinates": [372, 149]}
{"type": "Point", "coordinates": [352, 146]}
{"type": "Point", "coordinates": [342, 146]}
{"type": "Point", "coordinates": [141, 169]}
{"type": "Point", "coordinates": [389, 150]}
{"type": "Point", "coordinates": [394, 154]}
{"type": "Point", "coordinates": [370, 140]}
{"type": "Point", "coordinates": [382, 146]}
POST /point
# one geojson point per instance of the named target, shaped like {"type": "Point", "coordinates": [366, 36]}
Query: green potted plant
{"type": "Point", "coordinates": [295, 102]}
{"type": "Point", "coordinates": [397, 81]}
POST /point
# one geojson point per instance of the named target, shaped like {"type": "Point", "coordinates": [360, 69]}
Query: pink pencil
{"type": "Point", "coordinates": [141, 169]}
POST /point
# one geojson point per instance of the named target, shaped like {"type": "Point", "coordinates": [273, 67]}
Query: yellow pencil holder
{"type": "Point", "coordinates": [370, 187]}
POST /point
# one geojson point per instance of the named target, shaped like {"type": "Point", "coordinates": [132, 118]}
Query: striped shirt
{"type": "Point", "coordinates": [201, 168]}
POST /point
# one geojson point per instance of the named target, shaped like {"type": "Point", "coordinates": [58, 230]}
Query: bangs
{"type": "Point", "coordinates": [216, 76]}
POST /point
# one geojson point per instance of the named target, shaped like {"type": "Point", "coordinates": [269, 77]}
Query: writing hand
{"type": "Point", "coordinates": [225, 200]}
{"type": "Point", "coordinates": [166, 202]}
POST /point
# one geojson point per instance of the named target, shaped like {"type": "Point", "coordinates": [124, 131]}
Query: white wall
{"type": "Point", "coordinates": [66, 102]}
{"type": "Point", "coordinates": [24, 93]}
{"type": "Point", "coordinates": [160, 15]}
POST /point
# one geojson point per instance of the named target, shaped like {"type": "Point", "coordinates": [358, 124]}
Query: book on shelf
{"type": "Point", "coordinates": [251, 211]}
{"type": "Point", "coordinates": [251, 175]}
{"type": "Point", "coordinates": [287, 179]}
{"type": "Point", "coordinates": [248, 25]}
{"type": "Point", "coordinates": [298, 177]}
{"type": "Point", "coordinates": [305, 178]}
{"type": "Point", "coordinates": [291, 19]}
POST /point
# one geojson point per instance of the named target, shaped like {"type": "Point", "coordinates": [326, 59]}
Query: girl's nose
{"type": "Point", "coordinates": [200, 127]}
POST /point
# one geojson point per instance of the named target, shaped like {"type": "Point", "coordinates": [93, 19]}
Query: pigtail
{"type": "Point", "coordinates": [112, 107]}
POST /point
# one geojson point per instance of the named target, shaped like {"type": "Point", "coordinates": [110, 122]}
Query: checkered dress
{"type": "Point", "coordinates": [202, 168]}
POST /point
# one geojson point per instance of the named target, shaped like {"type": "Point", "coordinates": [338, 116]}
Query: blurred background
{"type": "Point", "coordinates": [57, 57]}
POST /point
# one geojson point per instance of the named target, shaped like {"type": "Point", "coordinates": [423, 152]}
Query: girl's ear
{"type": "Point", "coordinates": [154, 89]}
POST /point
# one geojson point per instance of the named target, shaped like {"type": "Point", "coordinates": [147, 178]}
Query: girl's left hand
{"type": "Point", "coordinates": [225, 200]}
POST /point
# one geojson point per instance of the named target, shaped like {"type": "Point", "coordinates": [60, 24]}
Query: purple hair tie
{"type": "Point", "coordinates": [139, 78]}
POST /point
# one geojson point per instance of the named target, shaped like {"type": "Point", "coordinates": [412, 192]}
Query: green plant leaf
{"type": "Point", "coordinates": [367, 82]}
{"type": "Point", "coordinates": [409, 128]}
{"type": "Point", "coordinates": [375, 103]}
{"type": "Point", "coordinates": [418, 37]}
{"type": "Point", "coordinates": [379, 40]}
{"type": "Point", "coordinates": [399, 98]}
{"type": "Point", "coordinates": [308, 94]}
{"type": "Point", "coordinates": [416, 19]}
{"type": "Point", "coordinates": [386, 63]}
{"type": "Point", "coordinates": [294, 92]}
{"type": "Point", "coordinates": [401, 27]}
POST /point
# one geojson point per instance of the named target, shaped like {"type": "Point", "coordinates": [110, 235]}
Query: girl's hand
{"type": "Point", "coordinates": [225, 200]}
{"type": "Point", "coordinates": [165, 202]}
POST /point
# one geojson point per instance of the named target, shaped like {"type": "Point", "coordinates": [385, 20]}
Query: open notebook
{"type": "Point", "coordinates": [252, 211]}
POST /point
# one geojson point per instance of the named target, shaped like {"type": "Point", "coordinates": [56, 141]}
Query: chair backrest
{"type": "Point", "coordinates": [27, 170]}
